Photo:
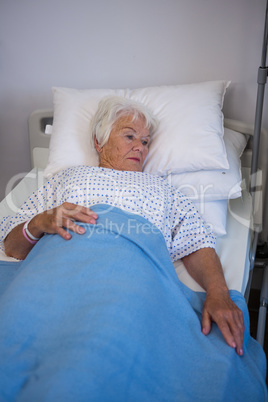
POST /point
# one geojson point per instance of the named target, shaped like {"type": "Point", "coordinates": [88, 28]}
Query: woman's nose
{"type": "Point", "coordinates": [138, 145]}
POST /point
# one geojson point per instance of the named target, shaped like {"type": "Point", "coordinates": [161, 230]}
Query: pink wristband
{"type": "Point", "coordinates": [27, 237]}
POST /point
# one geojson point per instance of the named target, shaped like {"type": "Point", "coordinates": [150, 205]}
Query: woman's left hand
{"type": "Point", "coordinates": [220, 308]}
{"type": "Point", "coordinates": [205, 267]}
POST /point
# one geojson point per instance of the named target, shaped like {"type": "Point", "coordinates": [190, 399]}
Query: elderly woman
{"type": "Point", "coordinates": [121, 131]}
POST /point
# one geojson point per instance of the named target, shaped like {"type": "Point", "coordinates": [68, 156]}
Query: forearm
{"type": "Point", "coordinates": [53, 221]}
{"type": "Point", "coordinates": [16, 245]}
{"type": "Point", "coordinates": [205, 268]}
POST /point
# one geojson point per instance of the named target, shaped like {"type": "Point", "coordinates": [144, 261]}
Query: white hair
{"type": "Point", "coordinates": [110, 109]}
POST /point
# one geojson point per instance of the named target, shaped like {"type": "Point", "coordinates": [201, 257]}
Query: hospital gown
{"type": "Point", "coordinates": [138, 193]}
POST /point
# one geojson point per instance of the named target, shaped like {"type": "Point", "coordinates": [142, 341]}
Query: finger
{"type": "Point", "coordinates": [71, 209]}
{"type": "Point", "coordinates": [235, 321]}
{"type": "Point", "coordinates": [206, 323]}
{"type": "Point", "coordinates": [237, 328]}
{"type": "Point", "coordinates": [241, 320]}
{"type": "Point", "coordinates": [88, 211]}
{"type": "Point", "coordinates": [227, 334]}
{"type": "Point", "coordinates": [63, 233]}
{"type": "Point", "coordinates": [82, 217]}
{"type": "Point", "coordinates": [72, 212]}
{"type": "Point", "coordinates": [71, 225]}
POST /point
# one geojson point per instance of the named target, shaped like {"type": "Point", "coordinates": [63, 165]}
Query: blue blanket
{"type": "Point", "coordinates": [103, 317]}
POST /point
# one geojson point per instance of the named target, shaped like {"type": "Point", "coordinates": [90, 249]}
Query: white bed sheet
{"type": "Point", "coordinates": [231, 248]}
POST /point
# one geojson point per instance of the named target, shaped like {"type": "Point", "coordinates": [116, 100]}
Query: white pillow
{"type": "Point", "coordinates": [215, 184]}
{"type": "Point", "coordinates": [214, 214]}
{"type": "Point", "coordinates": [189, 137]}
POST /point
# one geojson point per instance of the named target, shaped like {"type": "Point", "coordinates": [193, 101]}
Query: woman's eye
{"type": "Point", "coordinates": [144, 143]}
{"type": "Point", "coordinates": [129, 136]}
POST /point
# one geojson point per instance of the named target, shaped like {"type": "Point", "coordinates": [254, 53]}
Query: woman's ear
{"type": "Point", "coordinates": [97, 145]}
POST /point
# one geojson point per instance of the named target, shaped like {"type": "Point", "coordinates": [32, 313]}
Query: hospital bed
{"type": "Point", "coordinates": [236, 243]}
{"type": "Point", "coordinates": [236, 248]}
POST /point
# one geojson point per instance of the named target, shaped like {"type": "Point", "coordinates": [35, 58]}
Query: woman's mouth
{"type": "Point", "coordinates": [135, 159]}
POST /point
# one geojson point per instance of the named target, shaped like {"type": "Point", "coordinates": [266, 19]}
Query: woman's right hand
{"type": "Point", "coordinates": [58, 219]}
{"type": "Point", "coordinates": [53, 221]}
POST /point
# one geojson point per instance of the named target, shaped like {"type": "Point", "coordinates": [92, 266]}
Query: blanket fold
{"type": "Point", "coordinates": [103, 317]}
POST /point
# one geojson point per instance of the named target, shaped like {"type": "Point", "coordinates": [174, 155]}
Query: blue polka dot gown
{"type": "Point", "coordinates": [138, 193]}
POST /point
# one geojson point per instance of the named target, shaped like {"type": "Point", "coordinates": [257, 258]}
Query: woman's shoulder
{"type": "Point", "coordinates": [73, 170]}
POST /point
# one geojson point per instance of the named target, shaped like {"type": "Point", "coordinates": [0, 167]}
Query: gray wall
{"type": "Point", "coordinates": [120, 43]}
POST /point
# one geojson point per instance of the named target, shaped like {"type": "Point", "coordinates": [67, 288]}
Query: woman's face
{"type": "Point", "coordinates": [127, 146]}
